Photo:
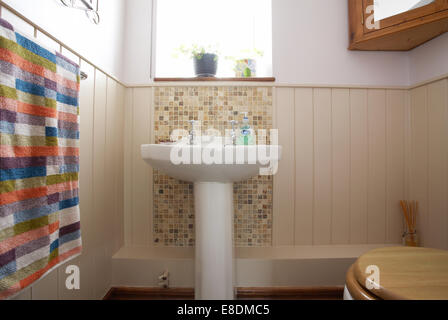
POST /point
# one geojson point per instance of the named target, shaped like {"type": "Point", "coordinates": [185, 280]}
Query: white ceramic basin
{"type": "Point", "coordinates": [216, 163]}
{"type": "Point", "coordinates": [213, 168]}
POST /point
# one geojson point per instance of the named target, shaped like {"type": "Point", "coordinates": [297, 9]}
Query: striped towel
{"type": "Point", "coordinates": [39, 161]}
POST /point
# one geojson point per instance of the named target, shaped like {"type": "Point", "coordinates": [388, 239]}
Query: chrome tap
{"type": "Point", "coordinates": [192, 132]}
{"type": "Point", "coordinates": [233, 132]}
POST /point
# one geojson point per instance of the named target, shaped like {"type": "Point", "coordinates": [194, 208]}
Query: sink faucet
{"type": "Point", "coordinates": [233, 132]}
{"type": "Point", "coordinates": [192, 132]}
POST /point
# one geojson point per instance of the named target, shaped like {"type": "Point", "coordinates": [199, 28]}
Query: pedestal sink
{"type": "Point", "coordinates": [213, 168]}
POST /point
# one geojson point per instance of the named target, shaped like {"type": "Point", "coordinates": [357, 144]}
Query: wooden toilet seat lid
{"type": "Point", "coordinates": [406, 273]}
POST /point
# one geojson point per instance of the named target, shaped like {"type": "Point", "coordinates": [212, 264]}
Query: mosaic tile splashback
{"type": "Point", "coordinates": [214, 107]}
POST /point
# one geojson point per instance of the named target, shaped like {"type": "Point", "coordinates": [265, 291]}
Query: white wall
{"type": "Point", "coordinates": [310, 40]}
{"type": "Point", "coordinates": [429, 60]}
{"type": "Point", "coordinates": [137, 41]}
{"type": "Point", "coordinates": [102, 44]}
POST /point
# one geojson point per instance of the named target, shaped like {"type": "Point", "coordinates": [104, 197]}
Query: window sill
{"type": "Point", "coordinates": [254, 79]}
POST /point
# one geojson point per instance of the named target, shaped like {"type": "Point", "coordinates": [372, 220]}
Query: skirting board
{"type": "Point", "coordinates": [249, 272]}
{"type": "Point", "coordinates": [273, 293]}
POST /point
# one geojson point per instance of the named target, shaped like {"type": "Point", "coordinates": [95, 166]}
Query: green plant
{"type": "Point", "coordinates": [251, 53]}
{"type": "Point", "coordinates": [197, 51]}
{"type": "Point", "coordinates": [246, 54]}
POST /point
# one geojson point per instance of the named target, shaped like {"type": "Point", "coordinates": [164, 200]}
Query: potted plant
{"type": "Point", "coordinates": [205, 59]}
{"type": "Point", "coordinates": [246, 63]}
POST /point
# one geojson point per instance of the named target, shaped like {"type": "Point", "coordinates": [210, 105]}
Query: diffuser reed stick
{"type": "Point", "coordinates": [410, 210]}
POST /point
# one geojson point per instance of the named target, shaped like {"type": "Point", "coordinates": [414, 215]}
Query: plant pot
{"type": "Point", "coordinates": [206, 66]}
{"type": "Point", "coordinates": [245, 68]}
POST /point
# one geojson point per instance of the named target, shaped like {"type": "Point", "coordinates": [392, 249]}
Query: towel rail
{"type": "Point", "coordinates": [37, 28]}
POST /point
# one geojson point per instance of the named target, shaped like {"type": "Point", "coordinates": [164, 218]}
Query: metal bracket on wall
{"type": "Point", "coordinates": [83, 75]}
{"type": "Point", "coordinates": [87, 6]}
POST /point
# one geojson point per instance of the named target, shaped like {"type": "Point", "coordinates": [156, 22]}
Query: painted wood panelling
{"type": "Point", "coordinates": [429, 165]}
{"type": "Point", "coordinates": [101, 192]}
{"type": "Point", "coordinates": [396, 119]}
{"type": "Point", "coordinates": [128, 166]}
{"type": "Point", "coordinates": [322, 166]}
{"type": "Point", "coordinates": [304, 159]}
{"type": "Point", "coordinates": [376, 194]}
{"type": "Point", "coordinates": [340, 232]}
{"type": "Point", "coordinates": [138, 183]}
{"type": "Point", "coordinates": [348, 166]}
{"type": "Point", "coordinates": [358, 166]}
{"type": "Point", "coordinates": [349, 156]}
{"type": "Point", "coordinates": [419, 157]}
{"type": "Point", "coordinates": [283, 207]}
{"type": "Point", "coordinates": [114, 160]}
{"type": "Point", "coordinates": [437, 163]}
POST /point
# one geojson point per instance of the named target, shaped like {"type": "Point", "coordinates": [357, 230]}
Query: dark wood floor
{"type": "Point", "coordinates": [287, 293]}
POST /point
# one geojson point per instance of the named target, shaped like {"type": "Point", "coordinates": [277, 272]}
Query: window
{"type": "Point", "coordinates": [238, 29]}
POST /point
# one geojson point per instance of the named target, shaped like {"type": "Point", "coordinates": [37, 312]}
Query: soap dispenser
{"type": "Point", "coordinates": [246, 136]}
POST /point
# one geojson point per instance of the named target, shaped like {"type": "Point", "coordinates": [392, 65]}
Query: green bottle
{"type": "Point", "coordinates": [246, 137]}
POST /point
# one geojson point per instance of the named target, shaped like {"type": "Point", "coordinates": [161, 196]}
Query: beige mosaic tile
{"type": "Point", "coordinates": [214, 107]}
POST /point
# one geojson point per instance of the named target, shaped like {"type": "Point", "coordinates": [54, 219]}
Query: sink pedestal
{"type": "Point", "coordinates": [213, 198]}
{"type": "Point", "coordinates": [214, 263]}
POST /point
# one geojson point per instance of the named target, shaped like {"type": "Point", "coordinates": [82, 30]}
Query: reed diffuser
{"type": "Point", "coordinates": [410, 211]}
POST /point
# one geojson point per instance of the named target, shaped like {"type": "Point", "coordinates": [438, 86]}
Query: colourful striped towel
{"type": "Point", "coordinates": [39, 161]}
